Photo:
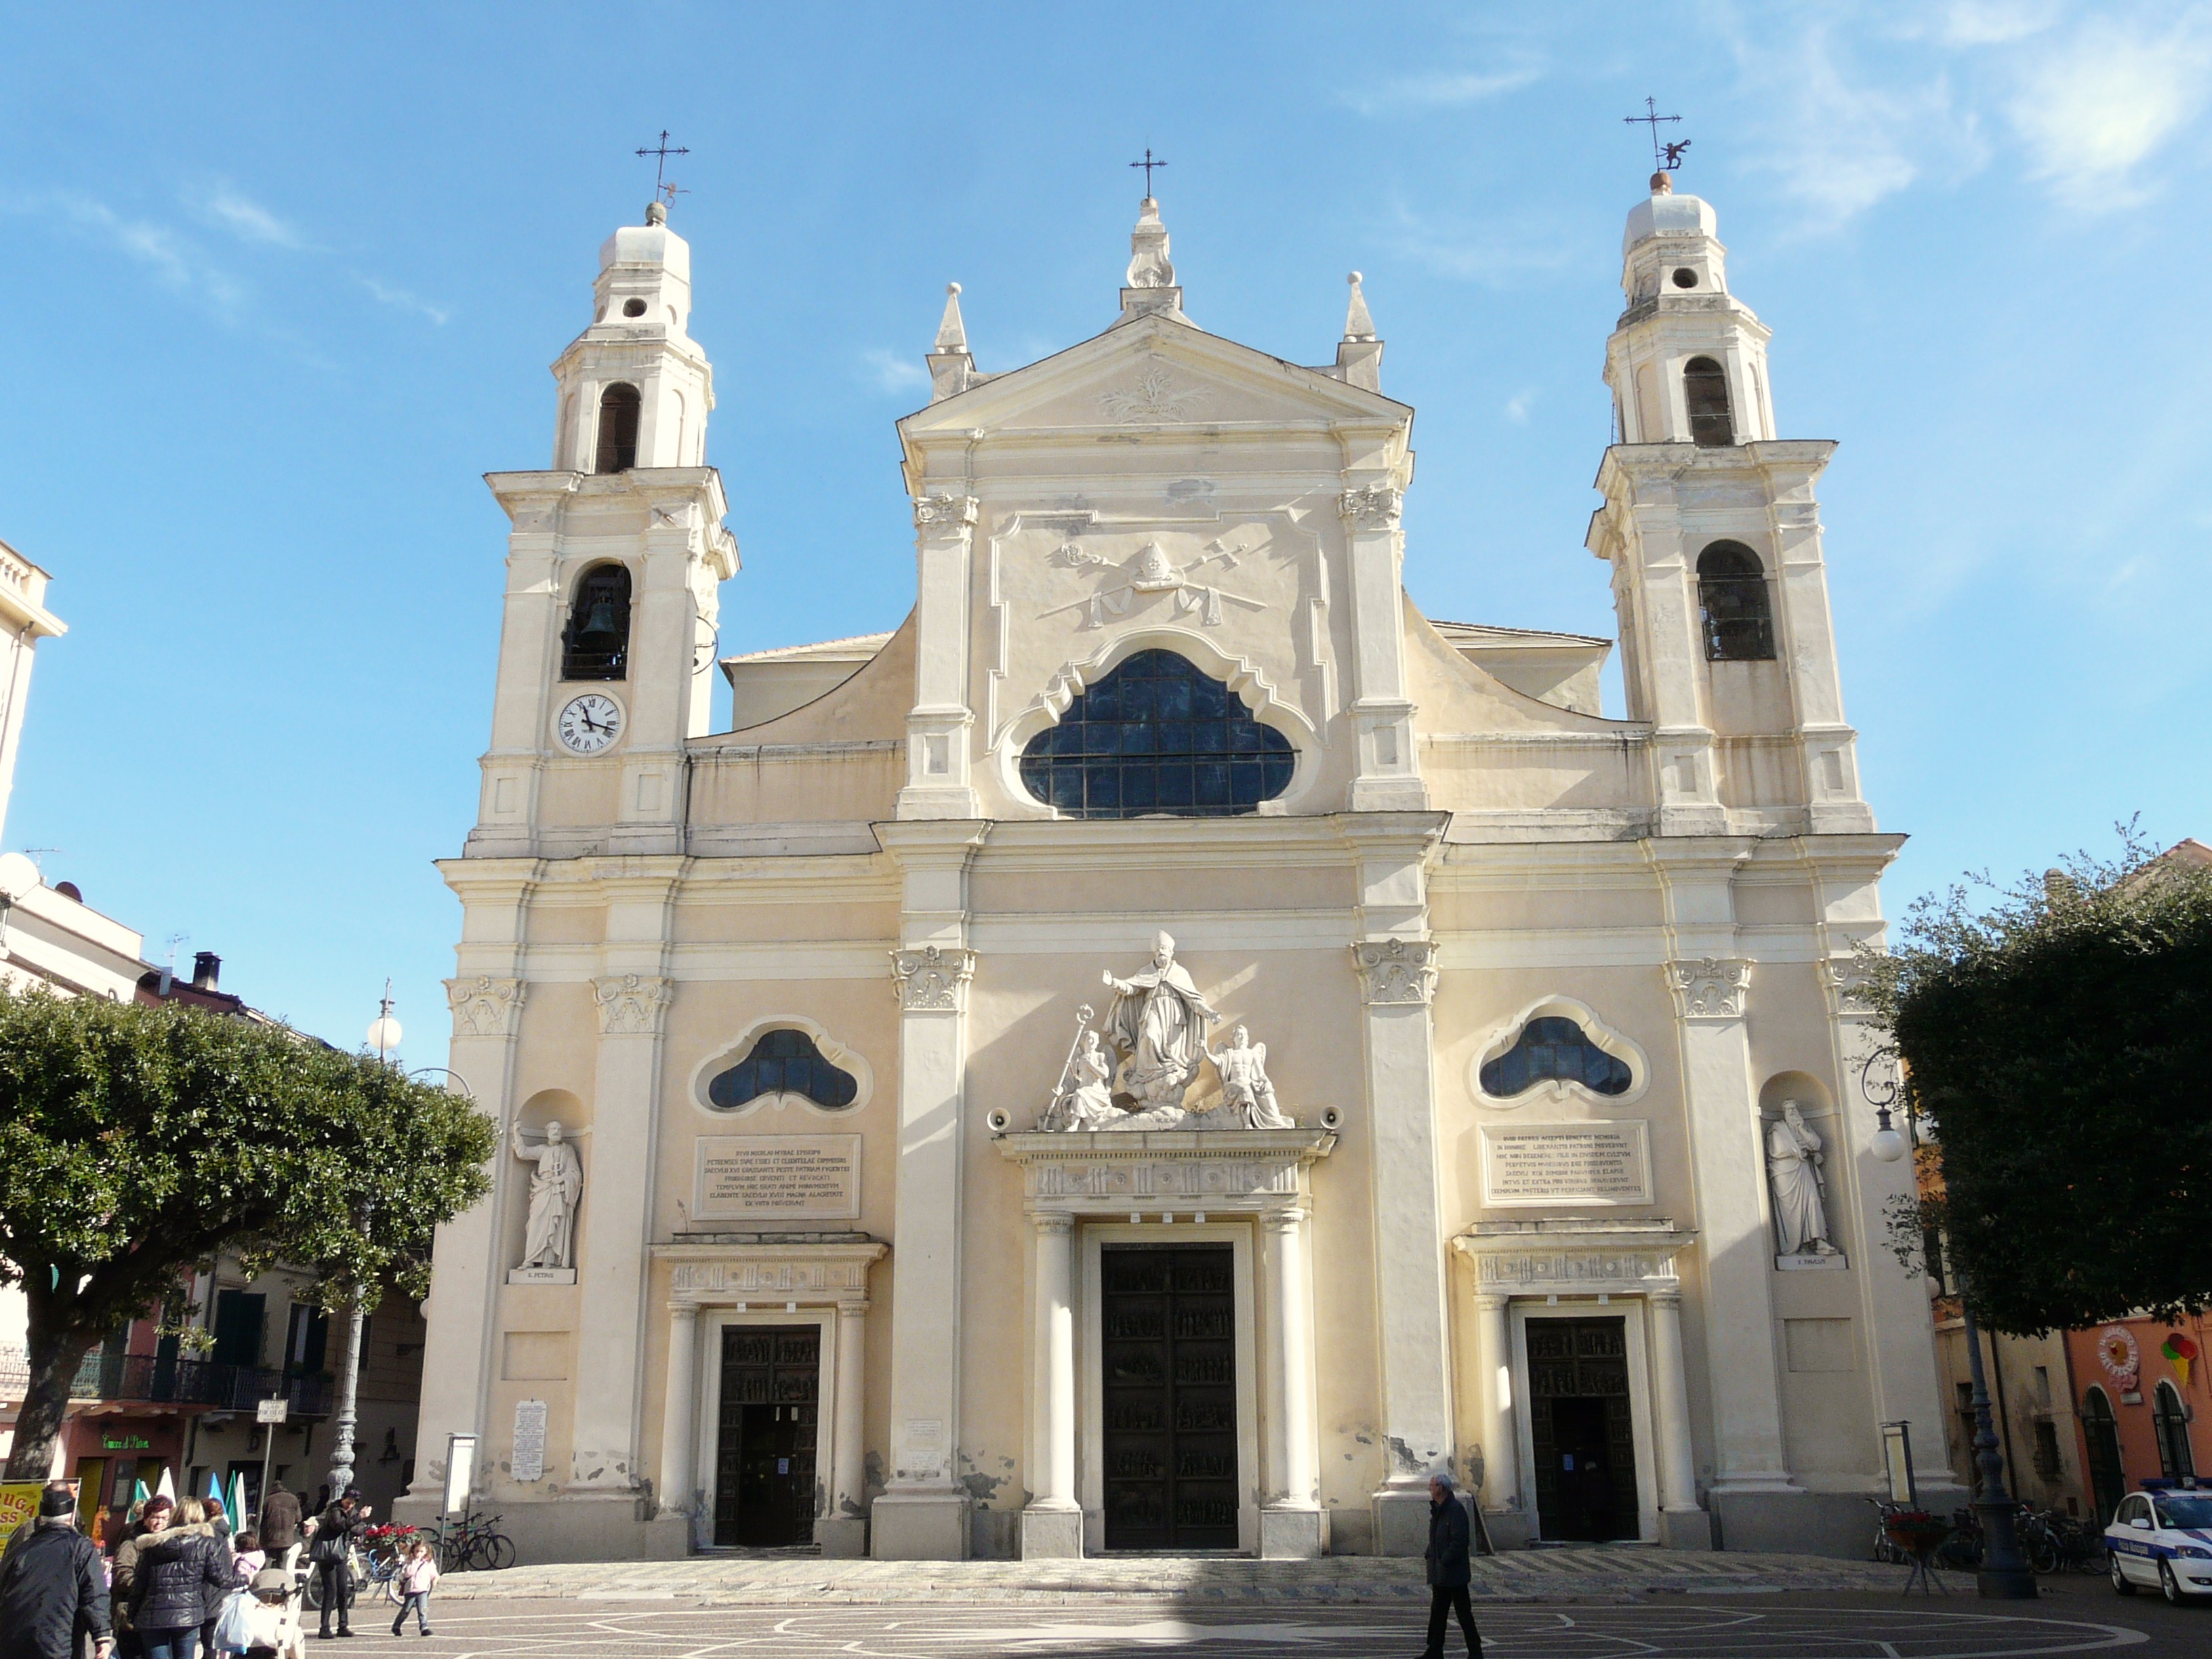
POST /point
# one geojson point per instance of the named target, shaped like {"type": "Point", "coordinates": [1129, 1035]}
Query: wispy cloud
{"type": "Point", "coordinates": [2105, 99]}
{"type": "Point", "coordinates": [1494, 254]}
{"type": "Point", "coordinates": [1446, 89]}
{"type": "Point", "coordinates": [1842, 140]}
{"type": "Point", "coordinates": [401, 300]}
{"type": "Point", "coordinates": [1518, 405]}
{"type": "Point", "coordinates": [225, 206]}
{"type": "Point", "coordinates": [1987, 22]}
{"type": "Point", "coordinates": [171, 257]}
{"type": "Point", "coordinates": [893, 373]}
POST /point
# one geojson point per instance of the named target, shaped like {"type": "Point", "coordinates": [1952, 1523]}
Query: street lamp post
{"type": "Point", "coordinates": [2004, 1574]}
{"type": "Point", "coordinates": [384, 1035]}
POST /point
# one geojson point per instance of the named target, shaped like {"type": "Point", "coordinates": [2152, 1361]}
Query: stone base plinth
{"type": "Point", "coordinates": [1052, 1534]}
{"type": "Point", "coordinates": [1401, 1522]}
{"type": "Point", "coordinates": [843, 1539]}
{"type": "Point", "coordinates": [919, 1526]}
{"type": "Point", "coordinates": [1508, 1530]}
{"type": "Point", "coordinates": [1287, 1534]}
{"type": "Point", "coordinates": [1685, 1529]}
{"type": "Point", "coordinates": [612, 1528]}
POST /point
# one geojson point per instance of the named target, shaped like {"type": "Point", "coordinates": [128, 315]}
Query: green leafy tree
{"type": "Point", "coordinates": [2058, 1035]}
{"type": "Point", "coordinates": [137, 1142]}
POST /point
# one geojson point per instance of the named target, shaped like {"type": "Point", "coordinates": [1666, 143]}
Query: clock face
{"type": "Point", "coordinates": [589, 723]}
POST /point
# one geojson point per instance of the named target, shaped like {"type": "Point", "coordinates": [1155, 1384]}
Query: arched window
{"type": "Point", "coordinates": [2172, 1423]}
{"type": "Point", "coordinates": [1732, 599]}
{"type": "Point", "coordinates": [2108, 1480]}
{"type": "Point", "coordinates": [1553, 1048]}
{"type": "Point", "coordinates": [1705, 390]}
{"type": "Point", "coordinates": [618, 407]}
{"type": "Point", "coordinates": [595, 645]}
{"type": "Point", "coordinates": [783, 1062]}
{"type": "Point", "coordinates": [1157, 737]}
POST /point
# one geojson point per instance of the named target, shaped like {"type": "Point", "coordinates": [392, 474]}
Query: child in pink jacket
{"type": "Point", "coordinates": [418, 1574]}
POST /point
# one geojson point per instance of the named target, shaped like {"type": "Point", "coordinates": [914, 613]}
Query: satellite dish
{"type": "Point", "coordinates": [18, 876]}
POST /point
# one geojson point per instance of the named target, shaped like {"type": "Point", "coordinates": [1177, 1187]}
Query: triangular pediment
{"type": "Point", "coordinates": [1155, 372]}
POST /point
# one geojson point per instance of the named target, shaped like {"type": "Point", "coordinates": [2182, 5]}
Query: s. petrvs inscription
{"type": "Point", "coordinates": [777, 1178]}
{"type": "Point", "coordinates": [1566, 1163]}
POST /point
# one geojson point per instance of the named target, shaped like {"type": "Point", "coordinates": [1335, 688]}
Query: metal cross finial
{"type": "Point", "coordinates": [661, 153]}
{"type": "Point", "coordinates": [1665, 157]}
{"type": "Point", "coordinates": [1148, 164]}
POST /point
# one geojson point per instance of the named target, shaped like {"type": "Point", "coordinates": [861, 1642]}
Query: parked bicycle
{"type": "Point", "coordinates": [475, 1544]}
{"type": "Point", "coordinates": [2053, 1543]}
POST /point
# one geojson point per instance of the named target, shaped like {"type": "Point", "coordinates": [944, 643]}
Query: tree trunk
{"type": "Point", "coordinates": [55, 1355]}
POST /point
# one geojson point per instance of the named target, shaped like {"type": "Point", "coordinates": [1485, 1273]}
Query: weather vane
{"type": "Point", "coordinates": [1664, 156]}
{"type": "Point", "coordinates": [661, 153]}
{"type": "Point", "coordinates": [1148, 164]}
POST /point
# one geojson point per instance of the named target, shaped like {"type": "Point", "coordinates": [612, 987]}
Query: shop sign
{"type": "Point", "coordinates": [126, 1443]}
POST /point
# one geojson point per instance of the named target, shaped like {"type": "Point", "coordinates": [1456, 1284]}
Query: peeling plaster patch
{"type": "Point", "coordinates": [982, 1487]}
{"type": "Point", "coordinates": [1403, 1456]}
{"type": "Point", "coordinates": [871, 1472]}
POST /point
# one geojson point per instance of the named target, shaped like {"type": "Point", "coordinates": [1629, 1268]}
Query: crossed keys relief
{"type": "Point", "coordinates": [1148, 570]}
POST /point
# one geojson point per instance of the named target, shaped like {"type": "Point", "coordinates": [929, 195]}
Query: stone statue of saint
{"type": "Point", "coordinates": [1794, 1157]}
{"type": "Point", "coordinates": [1157, 1023]}
{"type": "Point", "coordinates": [1086, 1099]}
{"type": "Point", "coordinates": [1245, 1090]}
{"type": "Point", "coordinates": [548, 1239]}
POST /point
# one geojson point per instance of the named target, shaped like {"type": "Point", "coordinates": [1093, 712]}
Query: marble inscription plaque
{"type": "Point", "coordinates": [1545, 1164]}
{"type": "Point", "coordinates": [777, 1178]}
{"type": "Point", "coordinates": [528, 1461]}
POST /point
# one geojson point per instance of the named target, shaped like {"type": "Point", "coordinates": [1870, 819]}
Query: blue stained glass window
{"type": "Point", "coordinates": [1157, 736]}
{"type": "Point", "coordinates": [1554, 1048]}
{"type": "Point", "coordinates": [783, 1063]}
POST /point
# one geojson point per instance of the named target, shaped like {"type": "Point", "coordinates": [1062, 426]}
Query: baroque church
{"type": "Point", "coordinates": [1172, 1045]}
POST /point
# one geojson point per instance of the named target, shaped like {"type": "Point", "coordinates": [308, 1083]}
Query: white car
{"type": "Point", "coordinates": [2162, 1539]}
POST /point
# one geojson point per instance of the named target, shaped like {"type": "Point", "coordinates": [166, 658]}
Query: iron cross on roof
{"type": "Point", "coordinates": [660, 153]}
{"type": "Point", "coordinates": [1148, 164]}
{"type": "Point", "coordinates": [1665, 157]}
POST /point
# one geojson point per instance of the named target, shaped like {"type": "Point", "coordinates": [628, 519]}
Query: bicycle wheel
{"type": "Point", "coordinates": [2043, 1555]}
{"type": "Point", "coordinates": [497, 1551]}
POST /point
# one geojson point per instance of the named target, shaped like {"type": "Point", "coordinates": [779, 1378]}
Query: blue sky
{"type": "Point", "coordinates": [283, 283]}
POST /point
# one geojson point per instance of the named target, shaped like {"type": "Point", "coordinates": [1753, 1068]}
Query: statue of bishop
{"type": "Point", "coordinates": [1157, 1022]}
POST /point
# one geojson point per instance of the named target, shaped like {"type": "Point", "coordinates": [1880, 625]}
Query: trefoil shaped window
{"type": "Point", "coordinates": [1157, 737]}
{"type": "Point", "coordinates": [783, 1062]}
{"type": "Point", "coordinates": [1555, 1049]}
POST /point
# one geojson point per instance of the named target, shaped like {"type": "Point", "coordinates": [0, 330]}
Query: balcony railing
{"type": "Point", "coordinates": [198, 1382]}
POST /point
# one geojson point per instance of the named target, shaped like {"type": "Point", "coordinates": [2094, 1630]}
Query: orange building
{"type": "Point", "coordinates": [2142, 1382]}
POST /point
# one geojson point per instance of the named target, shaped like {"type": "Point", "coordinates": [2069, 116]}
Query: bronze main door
{"type": "Point", "coordinates": [1578, 1420]}
{"type": "Point", "coordinates": [1168, 1316]}
{"type": "Point", "coordinates": [764, 1465]}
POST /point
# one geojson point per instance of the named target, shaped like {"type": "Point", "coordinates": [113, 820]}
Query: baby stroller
{"type": "Point", "coordinates": [262, 1621]}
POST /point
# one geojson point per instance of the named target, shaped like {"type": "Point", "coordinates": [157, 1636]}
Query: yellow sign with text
{"type": "Point", "coordinates": [19, 1502]}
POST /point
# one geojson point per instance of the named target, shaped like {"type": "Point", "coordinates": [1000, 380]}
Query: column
{"type": "Point", "coordinates": [615, 1222]}
{"type": "Point", "coordinates": [1396, 963]}
{"type": "Point", "coordinates": [923, 1513]}
{"type": "Point", "coordinates": [844, 1531]}
{"type": "Point", "coordinates": [1682, 1525]}
{"type": "Point", "coordinates": [1388, 778]}
{"type": "Point", "coordinates": [679, 1416]}
{"type": "Point", "coordinates": [1500, 1492]}
{"type": "Point", "coordinates": [1051, 1524]}
{"type": "Point", "coordinates": [1291, 1518]}
{"type": "Point", "coordinates": [939, 723]}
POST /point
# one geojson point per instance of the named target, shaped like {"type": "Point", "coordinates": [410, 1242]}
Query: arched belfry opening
{"type": "Point", "coordinates": [618, 411]}
{"type": "Point", "coordinates": [1157, 737]}
{"type": "Point", "coordinates": [595, 645]}
{"type": "Point", "coordinates": [1732, 602]}
{"type": "Point", "coordinates": [1705, 394]}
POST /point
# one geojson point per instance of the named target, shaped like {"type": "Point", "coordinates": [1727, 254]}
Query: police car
{"type": "Point", "coordinates": [2162, 1539]}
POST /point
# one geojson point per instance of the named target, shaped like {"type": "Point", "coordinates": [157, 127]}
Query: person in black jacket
{"type": "Point", "coordinates": [177, 1569]}
{"type": "Point", "coordinates": [1450, 1572]}
{"type": "Point", "coordinates": [51, 1587]}
{"type": "Point", "coordinates": [335, 1528]}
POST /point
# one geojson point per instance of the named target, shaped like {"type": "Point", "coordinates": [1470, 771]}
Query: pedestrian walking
{"type": "Point", "coordinates": [150, 1516]}
{"type": "Point", "coordinates": [52, 1590]}
{"type": "Point", "coordinates": [177, 1569]}
{"type": "Point", "coordinates": [335, 1528]}
{"type": "Point", "coordinates": [1450, 1572]}
{"type": "Point", "coordinates": [280, 1526]}
{"type": "Point", "coordinates": [418, 1576]}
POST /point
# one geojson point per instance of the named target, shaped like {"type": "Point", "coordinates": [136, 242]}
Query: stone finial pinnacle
{"type": "Point", "coordinates": [1149, 266]}
{"type": "Point", "coordinates": [1357, 323]}
{"type": "Point", "coordinates": [656, 213]}
{"type": "Point", "coordinates": [952, 332]}
{"type": "Point", "coordinates": [1662, 183]}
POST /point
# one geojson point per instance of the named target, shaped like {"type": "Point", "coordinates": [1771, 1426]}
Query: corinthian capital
{"type": "Point", "coordinates": [932, 980]}
{"type": "Point", "coordinates": [943, 512]}
{"type": "Point", "coordinates": [1373, 507]}
{"type": "Point", "coordinates": [1710, 988]}
{"type": "Point", "coordinates": [484, 1006]}
{"type": "Point", "coordinates": [1396, 970]}
{"type": "Point", "coordinates": [631, 1004]}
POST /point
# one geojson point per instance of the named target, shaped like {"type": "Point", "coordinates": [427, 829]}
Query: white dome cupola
{"type": "Point", "coordinates": [635, 387]}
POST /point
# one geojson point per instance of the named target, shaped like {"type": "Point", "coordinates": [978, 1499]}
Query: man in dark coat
{"type": "Point", "coordinates": [1450, 1570]}
{"type": "Point", "coordinates": [280, 1525]}
{"type": "Point", "coordinates": [51, 1587]}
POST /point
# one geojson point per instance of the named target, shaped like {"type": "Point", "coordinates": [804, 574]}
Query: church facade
{"type": "Point", "coordinates": [1172, 1045]}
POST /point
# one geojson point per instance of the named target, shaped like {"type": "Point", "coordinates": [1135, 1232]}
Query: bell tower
{"type": "Point", "coordinates": [1713, 532]}
{"type": "Point", "coordinates": [606, 648]}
